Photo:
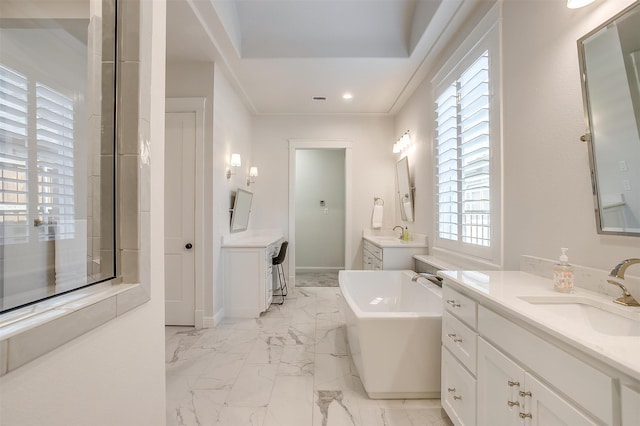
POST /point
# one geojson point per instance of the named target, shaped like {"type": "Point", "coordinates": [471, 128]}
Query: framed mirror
{"type": "Point", "coordinates": [610, 73]}
{"type": "Point", "coordinates": [241, 210]}
{"type": "Point", "coordinates": [404, 190]}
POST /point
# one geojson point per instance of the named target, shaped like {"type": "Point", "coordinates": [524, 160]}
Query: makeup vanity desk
{"type": "Point", "coordinates": [248, 273]}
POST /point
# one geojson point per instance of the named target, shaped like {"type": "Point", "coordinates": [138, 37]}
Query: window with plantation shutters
{"type": "Point", "coordinates": [54, 134]}
{"type": "Point", "coordinates": [463, 157]}
{"type": "Point", "coordinates": [467, 149]}
{"type": "Point", "coordinates": [36, 139]}
{"type": "Point", "coordinates": [14, 156]}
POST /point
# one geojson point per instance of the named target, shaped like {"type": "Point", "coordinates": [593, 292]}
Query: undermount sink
{"type": "Point", "coordinates": [593, 314]}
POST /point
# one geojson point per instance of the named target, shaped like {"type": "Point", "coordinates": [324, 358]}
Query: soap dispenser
{"type": "Point", "coordinates": [563, 274]}
{"type": "Point", "coordinates": [405, 234]}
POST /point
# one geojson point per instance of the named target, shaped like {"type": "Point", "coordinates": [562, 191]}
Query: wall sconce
{"type": "Point", "coordinates": [576, 4]}
{"type": "Point", "coordinates": [234, 162]}
{"type": "Point", "coordinates": [402, 144]}
{"type": "Point", "coordinates": [253, 173]}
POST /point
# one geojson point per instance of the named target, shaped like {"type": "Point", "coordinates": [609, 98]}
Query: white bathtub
{"type": "Point", "coordinates": [393, 329]}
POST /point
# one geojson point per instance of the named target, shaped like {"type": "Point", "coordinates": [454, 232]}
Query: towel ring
{"type": "Point", "coordinates": [378, 201]}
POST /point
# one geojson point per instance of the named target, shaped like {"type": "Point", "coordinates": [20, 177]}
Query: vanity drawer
{"type": "Point", "coordinates": [630, 398]}
{"type": "Point", "coordinates": [458, 391]}
{"type": "Point", "coordinates": [587, 386]}
{"type": "Point", "coordinates": [460, 340]}
{"type": "Point", "coordinates": [373, 249]}
{"type": "Point", "coordinates": [460, 305]}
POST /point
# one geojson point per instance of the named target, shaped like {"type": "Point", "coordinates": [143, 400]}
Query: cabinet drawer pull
{"type": "Point", "coordinates": [451, 389]}
{"type": "Point", "coordinates": [453, 303]}
{"type": "Point", "coordinates": [457, 398]}
{"type": "Point", "coordinates": [513, 403]}
{"type": "Point", "coordinates": [523, 393]}
{"type": "Point", "coordinates": [525, 415]}
{"type": "Point", "coordinates": [453, 337]}
{"type": "Point", "coordinates": [513, 383]}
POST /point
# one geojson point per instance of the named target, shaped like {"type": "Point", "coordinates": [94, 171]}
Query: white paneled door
{"type": "Point", "coordinates": [179, 184]}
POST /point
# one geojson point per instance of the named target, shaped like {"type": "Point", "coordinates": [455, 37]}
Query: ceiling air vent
{"type": "Point", "coordinates": [319, 98]}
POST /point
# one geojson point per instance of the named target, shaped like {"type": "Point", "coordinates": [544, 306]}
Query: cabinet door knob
{"type": "Point", "coordinates": [451, 389]}
{"type": "Point", "coordinates": [525, 415]}
{"type": "Point", "coordinates": [513, 383]}
{"type": "Point", "coordinates": [524, 393]}
{"type": "Point", "coordinates": [457, 398]}
{"type": "Point", "coordinates": [188, 246]}
{"type": "Point", "coordinates": [513, 403]}
{"type": "Point", "coordinates": [453, 303]}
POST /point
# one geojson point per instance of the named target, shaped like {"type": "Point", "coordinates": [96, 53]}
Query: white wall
{"type": "Point", "coordinates": [547, 191]}
{"type": "Point", "coordinates": [320, 176]}
{"type": "Point", "coordinates": [373, 167]}
{"type": "Point", "coordinates": [232, 133]}
{"type": "Point", "coordinates": [195, 80]}
{"type": "Point", "coordinates": [113, 375]}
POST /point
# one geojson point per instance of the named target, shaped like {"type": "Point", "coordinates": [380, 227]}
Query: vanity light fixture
{"type": "Point", "coordinates": [402, 144]}
{"type": "Point", "coordinates": [234, 162]}
{"type": "Point", "coordinates": [253, 173]}
{"type": "Point", "coordinates": [576, 4]}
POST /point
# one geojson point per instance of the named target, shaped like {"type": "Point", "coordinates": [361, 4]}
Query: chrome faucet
{"type": "Point", "coordinates": [618, 272]}
{"type": "Point", "coordinates": [401, 230]}
{"type": "Point", "coordinates": [431, 277]}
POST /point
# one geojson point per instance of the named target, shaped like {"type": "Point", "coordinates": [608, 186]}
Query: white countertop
{"type": "Point", "coordinates": [387, 241]}
{"type": "Point", "coordinates": [252, 239]}
{"type": "Point", "coordinates": [503, 290]}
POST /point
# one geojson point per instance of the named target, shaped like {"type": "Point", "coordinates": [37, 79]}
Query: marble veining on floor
{"type": "Point", "coordinates": [317, 279]}
{"type": "Point", "coordinates": [290, 367]}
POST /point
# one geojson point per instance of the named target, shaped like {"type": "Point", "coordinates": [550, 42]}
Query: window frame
{"type": "Point", "coordinates": [484, 37]}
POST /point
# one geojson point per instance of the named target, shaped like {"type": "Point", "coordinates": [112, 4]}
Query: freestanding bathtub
{"type": "Point", "coordinates": [393, 329]}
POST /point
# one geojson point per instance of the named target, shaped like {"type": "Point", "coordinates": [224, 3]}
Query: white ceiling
{"type": "Point", "coordinates": [279, 54]}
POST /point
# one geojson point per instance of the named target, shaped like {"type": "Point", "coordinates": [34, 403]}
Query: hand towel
{"type": "Point", "coordinates": [408, 209]}
{"type": "Point", "coordinates": [376, 217]}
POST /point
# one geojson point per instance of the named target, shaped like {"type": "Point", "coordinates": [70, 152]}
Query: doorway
{"type": "Point", "coordinates": [319, 210]}
{"type": "Point", "coordinates": [184, 142]}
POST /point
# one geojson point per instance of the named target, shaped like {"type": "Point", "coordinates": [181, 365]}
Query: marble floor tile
{"type": "Point", "coordinates": [253, 385]}
{"type": "Point", "coordinates": [289, 367]}
{"type": "Point", "coordinates": [291, 402]}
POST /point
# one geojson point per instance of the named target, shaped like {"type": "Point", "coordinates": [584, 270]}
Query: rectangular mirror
{"type": "Point", "coordinates": [241, 210]}
{"type": "Point", "coordinates": [57, 147]}
{"type": "Point", "coordinates": [610, 70]}
{"type": "Point", "coordinates": [404, 189]}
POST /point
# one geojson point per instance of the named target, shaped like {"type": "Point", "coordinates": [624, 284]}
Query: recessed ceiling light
{"type": "Point", "coordinates": [576, 4]}
{"type": "Point", "coordinates": [347, 96]}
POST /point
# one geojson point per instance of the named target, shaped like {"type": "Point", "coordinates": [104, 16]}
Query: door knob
{"type": "Point", "coordinates": [188, 246]}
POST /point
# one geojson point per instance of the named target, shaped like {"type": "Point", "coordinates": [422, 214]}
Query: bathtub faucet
{"type": "Point", "coordinates": [431, 277]}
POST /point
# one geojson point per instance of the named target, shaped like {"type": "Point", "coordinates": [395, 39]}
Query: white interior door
{"type": "Point", "coordinates": [179, 258]}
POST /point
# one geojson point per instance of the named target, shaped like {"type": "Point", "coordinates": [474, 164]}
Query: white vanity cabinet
{"type": "Point", "coordinates": [509, 395]}
{"type": "Point", "coordinates": [390, 254]}
{"type": "Point", "coordinates": [630, 396]}
{"type": "Point", "coordinates": [371, 256]}
{"type": "Point", "coordinates": [458, 381]}
{"type": "Point", "coordinates": [500, 367]}
{"type": "Point", "coordinates": [248, 276]}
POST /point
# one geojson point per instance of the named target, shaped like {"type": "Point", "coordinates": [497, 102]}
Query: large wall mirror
{"type": "Point", "coordinates": [57, 164]}
{"type": "Point", "coordinates": [404, 189]}
{"type": "Point", "coordinates": [610, 70]}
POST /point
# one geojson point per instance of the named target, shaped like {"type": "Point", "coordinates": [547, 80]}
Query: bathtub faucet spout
{"type": "Point", "coordinates": [431, 277]}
